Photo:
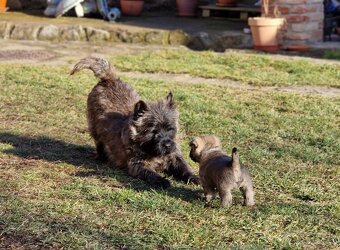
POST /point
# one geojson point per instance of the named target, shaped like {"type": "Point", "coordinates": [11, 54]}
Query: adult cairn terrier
{"type": "Point", "coordinates": [134, 135]}
{"type": "Point", "coordinates": [219, 172]}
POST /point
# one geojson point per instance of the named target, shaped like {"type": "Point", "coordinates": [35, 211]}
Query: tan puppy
{"type": "Point", "coordinates": [219, 172]}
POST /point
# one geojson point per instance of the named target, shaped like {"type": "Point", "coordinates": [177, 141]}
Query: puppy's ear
{"type": "Point", "coordinates": [193, 143]}
{"type": "Point", "coordinates": [140, 108]}
{"type": "Point", "coordinates": [169, 100]}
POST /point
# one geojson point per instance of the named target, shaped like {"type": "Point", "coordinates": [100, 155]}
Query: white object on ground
{"type": "Point", "coordinates": [103, 8]}
{"type": "Point", "coordinates": [89, 6]}
{"type": "Point", "coordinates": [79, 10]}
{"type": "Point", "coordinates": [246, 30]}
{"type": "Point", "coordinates": [50, 10]}
{"type": "Point", "coordinates": [113, 14]}
{"type": "Point", "coordinates": [66, 5]}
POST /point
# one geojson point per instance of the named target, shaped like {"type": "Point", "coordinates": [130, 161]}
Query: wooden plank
{"type": "Point", "coordinates": [243, 15]}
{"type": "Point", "coordinates": [230, 8]}
{"type": "Point", "coordinates": [205, 13]}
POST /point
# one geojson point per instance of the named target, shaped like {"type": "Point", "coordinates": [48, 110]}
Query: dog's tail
{"type": "Point", "coordinates": [236, 165]}
{"type": "Point", "coordinates": [100, 67]}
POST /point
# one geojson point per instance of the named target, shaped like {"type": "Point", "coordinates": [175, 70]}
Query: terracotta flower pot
{"type": "Point", "coordinates": [298, 47]}
{"type": "Point", "coordinates": [265, 32]}
{"type": "Point", "coordinates": [132, 7]}
{"type": "Point", "coordinates": [3, 4]}
{"type": "Point", "coordinates": [186, 7]}
{"type": "Point", "coordinates": [225, 2]}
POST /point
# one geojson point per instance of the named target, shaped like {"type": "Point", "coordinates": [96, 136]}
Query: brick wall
{"type": "Point", "coordinates": [304, 20]}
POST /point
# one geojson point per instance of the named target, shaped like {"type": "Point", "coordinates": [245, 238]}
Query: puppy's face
{"type": "Point", "coordinates": [199, 144]}
{"type": "Point", "coordinates": [154, 126]}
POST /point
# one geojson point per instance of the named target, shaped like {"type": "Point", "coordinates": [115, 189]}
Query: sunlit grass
{"type": "Point", "coordinates": [54, 194]}
{"type": "Point", "coordinates": [248, 68]}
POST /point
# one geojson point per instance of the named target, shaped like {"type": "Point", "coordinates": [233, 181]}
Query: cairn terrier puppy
{"type": "Point", "coordinates": [134, 135]}
{"type": "Point", "coordinates": [219, 172]}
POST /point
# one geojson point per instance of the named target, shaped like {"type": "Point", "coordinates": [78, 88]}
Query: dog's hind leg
{"type": "Point", "coordinates": [248, 195]}
{"type": "Point", "coordinates": [226, 197]}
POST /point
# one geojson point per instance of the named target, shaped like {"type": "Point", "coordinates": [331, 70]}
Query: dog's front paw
{"type": "Point", "coordinates": [161, 183]}
{"type": "Point", "coordinates": [194, 179]}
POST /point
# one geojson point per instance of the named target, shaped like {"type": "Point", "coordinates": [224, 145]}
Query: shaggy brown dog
{"type": "Point", "coordinates": [134, 135]}
{"type": "Point", "coordinates": [219, 172]}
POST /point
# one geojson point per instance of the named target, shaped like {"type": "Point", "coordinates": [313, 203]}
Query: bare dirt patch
{"type": "Point", "coordinates": [188, 79]}
{"type": "Point", "coordinates": [9, 55]}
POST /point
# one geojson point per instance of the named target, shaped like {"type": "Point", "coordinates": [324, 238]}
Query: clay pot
{"type": "Point", "coordinates": [226, 2]}
{"type": "Point", "coordinates": [3, 4]}
{"type": "Point", "coordinates": [338, 30]}
{"type": "Point", "coordinates": [265, 32]}
{"type": "Point", "coordinates": [132, 7]}
{"type": "Point", "coordinates": [186, 7]}
{"type": "Point", "coordinates": [298, 47]}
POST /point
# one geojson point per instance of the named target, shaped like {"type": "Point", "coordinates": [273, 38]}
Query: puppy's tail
{"type": "Point", "coordinates": [236, 165]}
{"type": "Point", "coordinates": [100, 67]}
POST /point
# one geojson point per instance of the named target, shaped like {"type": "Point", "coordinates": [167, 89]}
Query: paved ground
{"type": "Point", "coordinates": [37, 52]}
{"type": "Point", "coordinates": [148, 20]}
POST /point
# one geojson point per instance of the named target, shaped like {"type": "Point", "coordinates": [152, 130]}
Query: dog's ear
{"type": "Point", "coordinates": [169, 100]}
{"type": "Point", "coordinates": [193, 143]}
{"type": "Point", "coordinates": [140, 108]}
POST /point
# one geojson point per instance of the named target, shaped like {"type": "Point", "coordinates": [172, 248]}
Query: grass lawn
{"type": "Point", "coordinates": [54, 194]}
{"type": "Point", "coordinates": [256, 69]}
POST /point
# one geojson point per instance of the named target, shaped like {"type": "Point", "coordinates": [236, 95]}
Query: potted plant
{"type": "Point", "coordinates": [265, 29]}
{"type": "Point", "coordinates": [132, 7]}
{"type": "Point", "coordinates": [3, 4]}
{"type": "Point", "coordinates": [186, 7]}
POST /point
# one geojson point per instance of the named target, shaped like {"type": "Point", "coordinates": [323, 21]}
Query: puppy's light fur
{"type": "Point", "coordinates": [219, 172]}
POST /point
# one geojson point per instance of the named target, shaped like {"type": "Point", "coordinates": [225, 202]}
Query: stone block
{"type": "Point", "coordinates": [95, 35]}
{"type": "Point", "coordinates": [298, 36]}
{"type": "Point", "coordinates": [5, 29]}
{"type": "Point", "coordinates": [155, 37]}
{"type": "Point", "coordinates": [73, 33]}
{"type": "Point", "coordinates": [301, 27]}
{"type": "Point", "coordinates": [25, 32]}
{"type": "Point", "coordinates": [297, 18]}
{"type": "Point", "coordinates": [301, 9]}
{"type": "Point", "coordinates": [124, 36]}
{"type": "Point", "coordinates": [49, 33]}
{"type": "Point", "coordinates": [201, 41]}
{"type": "Point", "coordinates": [138, 37]}
{"type": "Point", "coordinates": [178, 37]}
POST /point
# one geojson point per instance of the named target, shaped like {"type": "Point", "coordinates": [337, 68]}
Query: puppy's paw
{"type": "Point", "coordinates": [194, 179]}
{"type": "Point", "coordinates": [161, 183]}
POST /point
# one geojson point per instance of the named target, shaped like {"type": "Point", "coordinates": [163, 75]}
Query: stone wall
{"type": "Point", "coordinates": [304, 20]}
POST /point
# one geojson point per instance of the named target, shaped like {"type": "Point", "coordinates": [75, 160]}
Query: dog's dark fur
{"type": "Point", "coordinates": [134, 135]}
{"type": "Point", "coordinates": [219, 172]}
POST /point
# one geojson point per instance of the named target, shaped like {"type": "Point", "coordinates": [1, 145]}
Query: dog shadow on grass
{"type": "Point", "coordinates": [57, 151]}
